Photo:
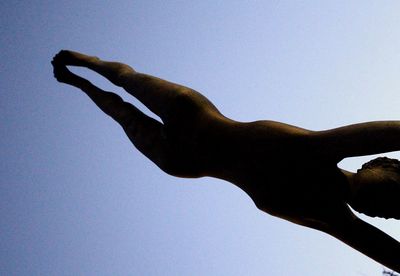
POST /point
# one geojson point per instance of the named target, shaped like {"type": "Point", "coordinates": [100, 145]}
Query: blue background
{"type": "Point", "coordinates": [77, 199]}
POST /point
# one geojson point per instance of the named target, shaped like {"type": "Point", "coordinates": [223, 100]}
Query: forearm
{"type": "Point", "coordinates": [372, 242]}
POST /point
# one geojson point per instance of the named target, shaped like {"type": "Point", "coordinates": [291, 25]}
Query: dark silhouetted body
{"type": "Point", "coordinates": [289, 172]}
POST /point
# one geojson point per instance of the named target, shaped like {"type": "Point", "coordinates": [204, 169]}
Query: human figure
{"type": "Point", "coordinates": [289, 172]}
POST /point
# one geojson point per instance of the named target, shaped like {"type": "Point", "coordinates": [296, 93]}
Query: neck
{"type": "Point", "coordinates": [351, 185]}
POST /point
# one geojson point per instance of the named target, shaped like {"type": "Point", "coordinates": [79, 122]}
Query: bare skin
{"type": "Point", "coordinates": [289, 172]}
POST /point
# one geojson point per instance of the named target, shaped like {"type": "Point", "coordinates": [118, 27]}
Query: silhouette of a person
{"type": "Point", "coordinates": [289, 172]}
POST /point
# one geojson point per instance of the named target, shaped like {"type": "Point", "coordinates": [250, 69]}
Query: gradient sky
{"type": "Point", "coordinates": [77, 199]}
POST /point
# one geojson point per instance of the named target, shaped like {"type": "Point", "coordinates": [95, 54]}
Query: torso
{"type": "Point", "coordinates": [282, 171]}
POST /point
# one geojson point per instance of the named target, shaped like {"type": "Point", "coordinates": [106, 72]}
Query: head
{"type": "Point", "coordinates": [377, 188]}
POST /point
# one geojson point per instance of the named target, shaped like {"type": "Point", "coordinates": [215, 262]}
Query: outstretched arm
{"type": "Point", "coordinates": [359, 139]}
{"type": "Point", "coordinates": [172, 145]}
{"type": "Point", "coordinates": [156, 94]}
{"type": "Point", "coordinates": [368, 240]}
{"type": "Point", "coordinates": [144, 132]}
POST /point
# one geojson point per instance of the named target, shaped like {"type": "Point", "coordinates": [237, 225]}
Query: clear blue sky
{"type": "Point", "coordinates": [77, 199]}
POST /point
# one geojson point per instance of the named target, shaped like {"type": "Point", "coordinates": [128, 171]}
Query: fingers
{"type": "Point", "coordinates": [60, 72]}
{"type": "Point", "coordinates": [63, 75]}
{"type": "Point", "coordinates": [60, 58]}
{"type": "Point", "coordinates": [67, 57]}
